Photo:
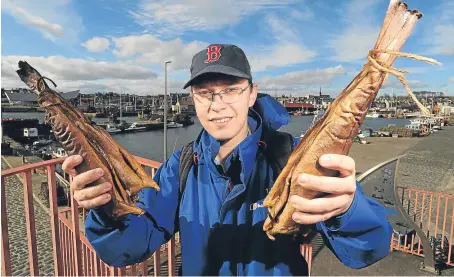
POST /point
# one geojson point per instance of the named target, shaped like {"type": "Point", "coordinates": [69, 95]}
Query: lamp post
{"type": "Point", "coordinates": [171, 249]}
{"type": "Point", "coordinates": [165, 110]}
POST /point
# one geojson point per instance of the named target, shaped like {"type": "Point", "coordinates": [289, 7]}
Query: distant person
{"type": "Point", "coordinates": [220, 216]}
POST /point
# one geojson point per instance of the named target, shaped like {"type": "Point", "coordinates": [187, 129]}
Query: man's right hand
{"type": "Point", "coordinates": [91, 197]}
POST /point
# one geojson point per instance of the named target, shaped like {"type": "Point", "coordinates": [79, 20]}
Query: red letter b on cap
{"type": "Point", "coordinates": [213, 53]}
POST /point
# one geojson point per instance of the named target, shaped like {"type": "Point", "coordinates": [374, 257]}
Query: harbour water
{"type": "Point", "coordinates": [150, 144]}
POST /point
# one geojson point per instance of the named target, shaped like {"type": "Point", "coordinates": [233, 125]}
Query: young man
{"type": "Point", "coordinates": [220, 216]}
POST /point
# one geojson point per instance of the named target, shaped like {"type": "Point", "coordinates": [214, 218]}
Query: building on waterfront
{"type": "Point", "coordinates": [320, 101]}
{"type": "Point", "coordinates": [25, 97]}
{"type": "Point", "coordinates": [184, 106]}
{"type": "Point", "coordinates": [299, 107]}
{"type": "Point", "coordinates": [446, 110]}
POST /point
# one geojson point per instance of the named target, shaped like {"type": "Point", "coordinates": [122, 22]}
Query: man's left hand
{"type": "Point", "coordinates": [341, 191]}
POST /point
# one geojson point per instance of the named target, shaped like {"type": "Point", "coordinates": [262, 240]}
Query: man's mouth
{"type": "Point", "coordinates": [221, 120]}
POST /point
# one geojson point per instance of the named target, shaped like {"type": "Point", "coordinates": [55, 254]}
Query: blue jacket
{"type": "Point", "coordinates": [220, 227]}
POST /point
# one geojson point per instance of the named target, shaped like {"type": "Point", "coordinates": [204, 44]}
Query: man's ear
{"type": "Point", "coordinates": [191, 93]}
{"type": "Point", "coordinates": [253, 95]}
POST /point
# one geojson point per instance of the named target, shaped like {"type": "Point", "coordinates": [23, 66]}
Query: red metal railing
{"type": "Point", "coordinates": [434, 214]}
{"type": "Point", "coordinates": [72, 252]}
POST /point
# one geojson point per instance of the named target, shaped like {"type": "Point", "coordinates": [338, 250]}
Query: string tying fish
{"type": "Point", "coordinates": [399, 73]}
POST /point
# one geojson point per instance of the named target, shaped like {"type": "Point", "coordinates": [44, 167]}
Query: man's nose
{"type": "Point", "coordinates": [217, 104]}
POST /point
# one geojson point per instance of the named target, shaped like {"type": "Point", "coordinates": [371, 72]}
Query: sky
{"type": "Point", "coordinates": [294, 46]}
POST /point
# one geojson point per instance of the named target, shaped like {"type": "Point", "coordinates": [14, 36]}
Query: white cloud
{"type": "Point", "coordinates": [288, 49]}
{"type": "Point", "coordinates": [77, 69]}
{"type": "Point", "coordinates": [358, 37]}
{"type": "Point", "coordinates": [440, 30]}
{"type": "Point", "coordinates": [49, 30]}
{"type": "Point", "coordinates": [353, 44]}
{"type": "Point", "coordinates": [149, 50]}
{"type": "Point", "coordinates": [281, 55]}
{"type": "Point", "coordinates": [131, 45]}
{"type": "Point", "coordinates": [304, 14]}
{"type": "Point", "coordinates": [302, 79]}
{"type": "Point", "coordinates": [86, 75]}
{"type": "Point", "coordinates": [443, 40]}
{"type": "Point", "coordinates": [451, 79]}
{"type": "Point", "coordinates": [54, 19]}
{"type": "Point", "coordinates": [394, 83]}
{"type": "Point", "coordinates": [96, 44]}
{"type": "Point", "coordinates": [176, 16]}
{"type": "Point", "coordinates": [281, 30]}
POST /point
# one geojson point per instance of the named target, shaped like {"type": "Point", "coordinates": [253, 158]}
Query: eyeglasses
{"type": "Point", "coordinates": [228, 95]}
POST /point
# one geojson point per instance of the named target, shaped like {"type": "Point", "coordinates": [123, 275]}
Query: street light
{"type": "Point", "coordinates": [171, 249]}
{"type": "Point", "coordinates": [165, 110]}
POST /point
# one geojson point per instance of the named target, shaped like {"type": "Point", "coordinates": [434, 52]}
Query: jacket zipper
{"type": "Point", "coordinates": [224, 203]}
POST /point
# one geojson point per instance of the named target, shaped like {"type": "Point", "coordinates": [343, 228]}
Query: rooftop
{"type": "Point", "coordinates": [32, 97]}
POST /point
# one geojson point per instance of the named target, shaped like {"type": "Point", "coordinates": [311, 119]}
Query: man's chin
{"type": "Point", "coordinates": [222, 138]}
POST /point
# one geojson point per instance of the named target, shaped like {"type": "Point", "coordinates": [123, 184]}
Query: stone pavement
{"type": "Point", "coordinates": [18, 233]}
{"type": "Point", "coordinates": [429, 165]}
{"type": "Point", "coordinates": [378, 150]}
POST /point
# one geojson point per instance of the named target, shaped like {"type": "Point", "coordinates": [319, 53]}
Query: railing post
{"type": "Point", "coordinates": [97, 263]}
{"type": "Point", "coordinates": [144, 268]}
{"type": "Point", "coordinates": [157, 262]}
{"type": "Point", "coordinates": [51, 180]}
{"type": "Point", "coordinates": [30, 219]}
{"type": "Point", "coordinates": [444, 222]}
{"type": "Point", "coordinates": [113, 271]}
{"type": "Point", "coordinates": [76, 236]}
{"type": "Point", "coordinates": [171, 256]}
{"type": "Point", "coordinates": [122, 271]}
{"type": "Point", "coordinates": [6, 258]}
{"type": "Point", "coordinates": [451, 232]}
{"type": "Point", "coordinates": [134, 270]}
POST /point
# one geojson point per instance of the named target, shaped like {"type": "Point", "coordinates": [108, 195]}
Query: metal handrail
{"type": "Point", "coordinates": [76, 245]}
{"type": "Point", "coordinates": [72, 252]}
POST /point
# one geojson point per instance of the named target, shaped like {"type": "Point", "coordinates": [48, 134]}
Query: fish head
{"type": "Point", "coordinates": [31, 77]}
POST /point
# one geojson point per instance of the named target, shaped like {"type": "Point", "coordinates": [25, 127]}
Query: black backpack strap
{"type": "Point", "coordinates": [279, 146]}
{"type": "Point", "coordinates": [186, 162]}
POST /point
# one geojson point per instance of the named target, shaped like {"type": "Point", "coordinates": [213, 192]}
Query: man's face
{"type": "Point", "coordinates": [224, 121]}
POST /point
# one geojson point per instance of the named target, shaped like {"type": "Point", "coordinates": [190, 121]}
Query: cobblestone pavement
{"type": "Point", "coordinates": [429, 165]}
{"type": "Point", "coordinates": [17, 231]}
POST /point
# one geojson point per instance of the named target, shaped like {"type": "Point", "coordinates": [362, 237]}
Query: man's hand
{"type": "Point", "coordinates": [341, 191]}
{"type": "Point", "coordinates": [90, 197]}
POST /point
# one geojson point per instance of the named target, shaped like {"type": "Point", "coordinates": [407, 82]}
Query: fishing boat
{"type": "Point", "coordinates": [173, 124]}
{"type": "Point", "coordinates": [134, 127]}
{"type": "Point", "coordinates": [112, 129]}
{"type": "Point", "coordinates": [373, 115]}
{"type": "Point", "coordinates": [42, 142]}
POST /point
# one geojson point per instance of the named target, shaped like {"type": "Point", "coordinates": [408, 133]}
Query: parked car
{"type": "Point", "coordinates": [62, 197]}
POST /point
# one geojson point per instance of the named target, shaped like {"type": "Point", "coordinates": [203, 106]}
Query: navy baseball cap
{"type": "Point", "coordinates": [220, 58]}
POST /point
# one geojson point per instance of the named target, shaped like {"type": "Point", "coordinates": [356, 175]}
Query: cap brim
{"type": "Point", "coordinates": [219, 69]}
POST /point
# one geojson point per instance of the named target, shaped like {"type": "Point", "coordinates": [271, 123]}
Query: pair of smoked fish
{"type": "Point", "coordinates": [333, 133]}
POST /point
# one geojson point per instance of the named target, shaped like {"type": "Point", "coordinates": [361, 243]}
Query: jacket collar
{"type": "Point", "coordinates": [207, 148]}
